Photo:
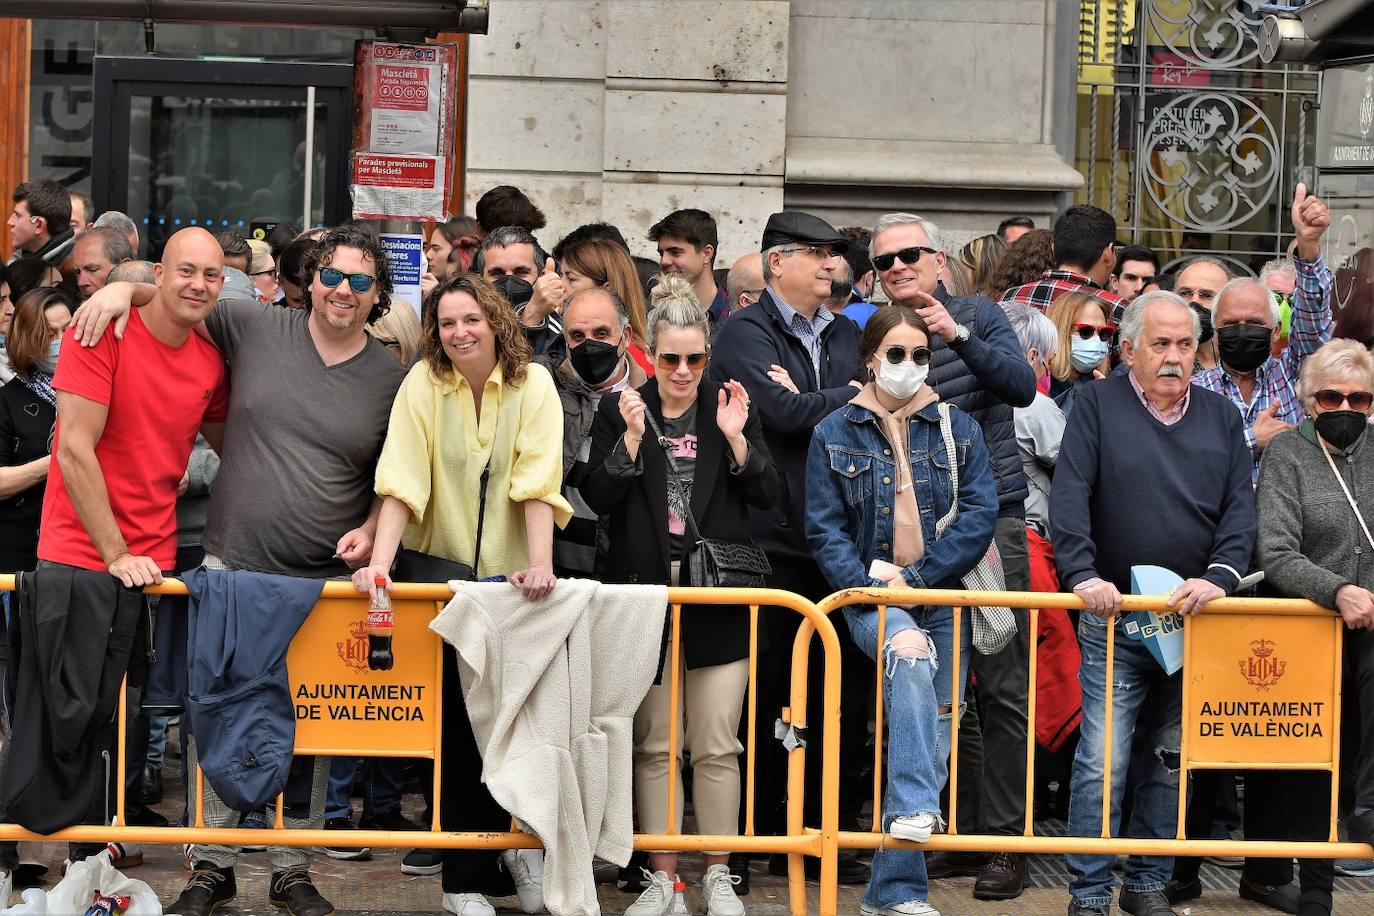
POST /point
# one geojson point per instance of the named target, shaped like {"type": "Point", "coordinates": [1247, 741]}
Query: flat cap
{"type": "Point", "coordinates": [802, 228]}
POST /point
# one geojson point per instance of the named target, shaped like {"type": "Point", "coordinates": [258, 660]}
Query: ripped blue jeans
{"type": "Point", "coordinates": [1146, 704]}
{"type": "Point", "coordinates": [917, 733]}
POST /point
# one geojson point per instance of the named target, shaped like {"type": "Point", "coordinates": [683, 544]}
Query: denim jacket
{"type": "Point", "coordinates": [849, 497]}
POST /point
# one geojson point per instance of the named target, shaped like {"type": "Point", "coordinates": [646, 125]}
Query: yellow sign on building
{"type": "Point", "coordinates": [341, 703]}
{"type": "Point", "coordinates": [1262, 690]}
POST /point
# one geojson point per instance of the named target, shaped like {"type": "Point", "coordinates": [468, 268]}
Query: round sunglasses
{"type": "Point", "coordinates": [359, 283]}
{"type": "Point", "coordinates": [1102, 332]}
{"type": "Point", "coordinates": [1329, 399]}
{"type": "Point", "coordinates": [898, 355]}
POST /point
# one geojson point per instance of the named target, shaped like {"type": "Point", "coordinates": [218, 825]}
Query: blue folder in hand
{"type": "Point", "coordinates": [1162, 634]}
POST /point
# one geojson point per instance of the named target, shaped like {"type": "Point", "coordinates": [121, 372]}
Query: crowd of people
{"type": "Point", "coordinates": [864, 405]}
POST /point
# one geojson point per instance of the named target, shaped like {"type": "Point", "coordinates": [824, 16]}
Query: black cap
{"type": "Point", "coordinates": [802, 228]}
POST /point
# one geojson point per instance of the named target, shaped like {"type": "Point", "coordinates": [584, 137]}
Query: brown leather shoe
{"type": "Point", "coordinates": [1003, 878]}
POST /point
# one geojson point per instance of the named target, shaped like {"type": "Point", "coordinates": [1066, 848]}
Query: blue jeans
{"type": "Point", "coordinates": [1146, 705]}
{"type": "Point", "coordinates": [917, 733]}
{"type": "Point", "coordinates": [381, 786]}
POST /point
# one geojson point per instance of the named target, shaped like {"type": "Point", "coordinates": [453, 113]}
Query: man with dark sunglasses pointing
{"type": "Point", "coordinates": [310, 399]}
{"type": "Point", "coordinates": [977, 364]}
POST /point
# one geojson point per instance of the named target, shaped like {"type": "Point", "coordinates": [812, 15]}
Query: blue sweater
{"type": "Point", "coordinates": [1129, 490]}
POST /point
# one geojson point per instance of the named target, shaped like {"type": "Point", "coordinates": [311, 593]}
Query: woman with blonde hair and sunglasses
{"type": "Point", "coordinates": [1085, 345]}
{"type": "Point", "coordinates": [682, 456]}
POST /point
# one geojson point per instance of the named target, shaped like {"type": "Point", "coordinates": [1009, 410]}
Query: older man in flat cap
{"type": "Point", "coordinates": [796, 360]}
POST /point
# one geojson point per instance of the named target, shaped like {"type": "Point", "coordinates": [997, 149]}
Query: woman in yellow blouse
{"type": "Point", "coordinates": [474, 397]}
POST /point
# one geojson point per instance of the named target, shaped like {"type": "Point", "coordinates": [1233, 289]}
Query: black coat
{"type": "Point", "coordinates": [747, 344]}
{"type": "Point", "coordinates": [986, 378]}
{"type": "Point", "coordinates": [74, 634]}
{"type": "Point", "coordinates": [638, 510]}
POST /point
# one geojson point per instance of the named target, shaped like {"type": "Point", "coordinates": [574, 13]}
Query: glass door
{"type": "Point", "coordinates": [224, 145]}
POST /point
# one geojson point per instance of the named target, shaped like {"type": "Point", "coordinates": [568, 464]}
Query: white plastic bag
{"type": "Point", "coordinates": [74, 893]}
{"type": "Point", "coordinates": [35, 904]}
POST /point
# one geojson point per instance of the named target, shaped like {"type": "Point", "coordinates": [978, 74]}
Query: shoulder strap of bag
{"type": "Point", "coordinates": [672, 466]}
{"type": "Point", "coordinates": [1346, 490]}
{"type": "Point", "coordinates": [951, 452]}
{"type": "Point", "coordinates": [481, 517]}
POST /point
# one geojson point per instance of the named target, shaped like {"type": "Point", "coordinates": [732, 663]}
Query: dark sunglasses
{"type": "Point", "coordinates": [269, 272]}
{"type": "Point", "coordinates": [897, 355]}
{"type": "Point", "coordinates": [1328, 399]}
{"type": "Point", "coordinates": [668, 362]}
{"type": "Point", "coordinates": [359, 283]}
{"type": "Point", "coordinates": [1101, 332]}
{"type": "Point", "coordinates": [909, 256]}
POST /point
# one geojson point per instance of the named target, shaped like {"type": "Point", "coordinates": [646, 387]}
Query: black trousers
{"type": "Point", "coordinates": [992, 731]}
{"type": "Point", "coordinates": [465, 804]}
{"type": "Point", "coordinates": [774, 672]}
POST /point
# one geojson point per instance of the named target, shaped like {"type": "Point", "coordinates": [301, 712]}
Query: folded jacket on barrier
{"type": "Point", "coordinates": [72, 640]}
{"type": "Point", "coordinates": [238, 701]}
{"type": "Point", "coordinates": [552, 688]}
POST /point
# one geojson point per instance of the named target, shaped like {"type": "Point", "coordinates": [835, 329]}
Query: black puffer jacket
{"type": "Point", "coordinates": [986, 378]}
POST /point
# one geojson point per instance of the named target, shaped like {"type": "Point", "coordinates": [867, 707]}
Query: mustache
{"type": "Point", "coordinates": [1170, 372]}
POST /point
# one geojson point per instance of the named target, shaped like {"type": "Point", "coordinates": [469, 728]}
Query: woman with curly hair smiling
{"type": "Point", "coordinates": [473, 413]}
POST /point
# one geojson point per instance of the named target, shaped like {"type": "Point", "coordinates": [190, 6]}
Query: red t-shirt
{"type": "Point", "coordinates": [158, 396]}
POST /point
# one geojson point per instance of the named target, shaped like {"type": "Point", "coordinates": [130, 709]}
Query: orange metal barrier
{"type": "Point", "coordinates": [414, 730]}
{"type": "Point", "coordinates": [1215, 671]}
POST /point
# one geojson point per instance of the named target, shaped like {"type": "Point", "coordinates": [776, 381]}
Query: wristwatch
{"type": "Point", "coordinates": [961, 336]}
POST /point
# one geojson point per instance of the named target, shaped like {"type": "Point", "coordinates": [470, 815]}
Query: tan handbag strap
{"type": "Point", "coordinates": [1346, 490]}
{"type": "Point", "coordinates": [951, 452]}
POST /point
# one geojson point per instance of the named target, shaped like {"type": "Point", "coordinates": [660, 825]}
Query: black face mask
{"type": "Point", "coordinates": [1342, 428]}
{"type": "Point", "coordinates": [1205, 317]}
{"type": "Point", "coordinates": [594, 361]}
{"type": "Point", "coordinates": [1243, 347]}
{"type": "Point", "coordinates": [516, 290]}
{"type": "Point", "coordinates": [840, 291]}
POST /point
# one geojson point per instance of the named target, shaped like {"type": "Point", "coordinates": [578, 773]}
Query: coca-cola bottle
{"type": "Point", "coordinates": [379, 627]}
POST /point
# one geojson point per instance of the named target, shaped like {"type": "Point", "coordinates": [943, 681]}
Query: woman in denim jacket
{"type": "Point", "coordinates": [865, 504]}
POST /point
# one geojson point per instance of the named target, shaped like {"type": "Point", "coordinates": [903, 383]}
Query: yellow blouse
{"type": "Point", "coordinates": [435, 451]}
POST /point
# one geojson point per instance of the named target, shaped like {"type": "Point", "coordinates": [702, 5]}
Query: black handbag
{"type": "Point", "coordinates": [714, 561]}
{"type": "Point", "coordinates": [418, 566]}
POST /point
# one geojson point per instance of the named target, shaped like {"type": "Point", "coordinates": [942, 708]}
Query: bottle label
{"type": "Point", "coordinates": [379, 618]}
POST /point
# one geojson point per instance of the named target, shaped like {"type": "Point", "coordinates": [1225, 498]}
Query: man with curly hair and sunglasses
{"type": "Point", "coordinates": [311, 399]}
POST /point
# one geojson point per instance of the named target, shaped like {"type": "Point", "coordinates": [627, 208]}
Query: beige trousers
{"type": "Point", "coordinates": [714, 701]}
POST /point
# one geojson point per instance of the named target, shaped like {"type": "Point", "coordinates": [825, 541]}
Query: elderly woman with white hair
{"type": "Point", "coordinates": [1316, 502]}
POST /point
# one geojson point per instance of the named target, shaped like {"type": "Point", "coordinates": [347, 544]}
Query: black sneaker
{"type": "Point", "coordinates": [295, 892]}
{"type": "Point", "coordinates": [392, 820]}
{"type": "Point", "coordinates": [422, 862]}
{"type": "Point", "coordinates": [739, 867]}
{"type": "Point", "coordinates": [1150, 903]}
{"type": "Point", "coordinates": [209, 889]}
{"type": "Point", "coordinates": [346, 853]}
{"type": "Point", "coordinates": [631, 877]}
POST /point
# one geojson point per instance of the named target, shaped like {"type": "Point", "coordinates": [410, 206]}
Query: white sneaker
{"type": "Point", "coordinates": [6, 882]}
{"type": "Point", "coordinates": [526, 867]}
{"type": "Point", "coordinates": [467, 905]}
{"type": "Point", "coordinates": [657, 897]}
{"type": "Point", "coordinates": [909, 908]}
{"type": "Point", "coordinates": [916, 828]}
{"type": "Point", "coordinates": [718, 890]}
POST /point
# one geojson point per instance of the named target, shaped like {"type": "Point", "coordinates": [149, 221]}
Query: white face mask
{"type": "Point", "coordinates": [902, 380]}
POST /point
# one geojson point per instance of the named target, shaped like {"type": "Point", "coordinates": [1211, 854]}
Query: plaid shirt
{"type": "Point", "coordinates": [1277, 378]}
{"type": "Point", "coordinates": [1055, 283]}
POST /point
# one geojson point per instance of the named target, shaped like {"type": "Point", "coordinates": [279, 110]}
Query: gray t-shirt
{"type": "Point", "coordinates": [300, 444]}
{"type": "Point", "coordinates": [682, 439]}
